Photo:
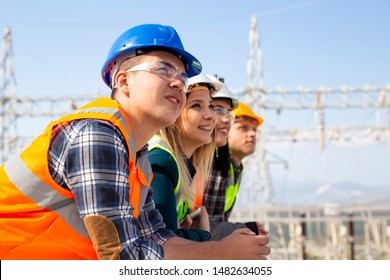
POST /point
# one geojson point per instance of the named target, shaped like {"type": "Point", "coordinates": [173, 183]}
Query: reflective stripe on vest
{"type": "Point", "coordinates": [45, 196]}
{"type": "Point", "coordinates": [181, 206]}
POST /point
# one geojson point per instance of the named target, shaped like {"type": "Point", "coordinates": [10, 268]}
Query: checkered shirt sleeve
{"type": "Point", "coordinates": [90, 158]}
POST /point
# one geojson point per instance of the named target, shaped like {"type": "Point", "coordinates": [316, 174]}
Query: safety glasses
{"type": "Point", "coordinates": [164, 70]}
{"type": "Point", "coordinates": [223, 112]}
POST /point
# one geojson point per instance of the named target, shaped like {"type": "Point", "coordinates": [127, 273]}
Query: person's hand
{"type": "Point", "coordinates": [202, 220]}
{"type": "Point", "coordinates": [257, 228]}
{"type": "Point", "coordinates": [186, 222]}
{"type": "Point", "coordinates": [244, 244]}
{"type": "Point", "coordinates": [261, 229]}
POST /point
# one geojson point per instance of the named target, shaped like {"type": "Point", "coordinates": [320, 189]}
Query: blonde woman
{"type": "Point", "coordinates": [181, 159]}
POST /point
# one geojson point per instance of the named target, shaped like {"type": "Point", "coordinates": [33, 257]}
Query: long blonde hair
{"type": "Point", "coordinates": [202, 159]}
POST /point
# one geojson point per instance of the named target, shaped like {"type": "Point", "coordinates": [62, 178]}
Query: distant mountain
{"type": "Point", "coordinates": [312, 193]}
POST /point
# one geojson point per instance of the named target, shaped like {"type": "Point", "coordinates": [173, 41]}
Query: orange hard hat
{"type": "Point", "coordinates": [245, 111]}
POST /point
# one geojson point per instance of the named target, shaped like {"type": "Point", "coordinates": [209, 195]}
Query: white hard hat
{"type": "Point", "coordinates": [214, 86]}
{"type": "Point", "coordinates": [224, 93]}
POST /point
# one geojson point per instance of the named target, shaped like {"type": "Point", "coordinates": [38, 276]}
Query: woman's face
{"type": "Point", "coordinates": [222, 108]}
{"type": "Point", "coordinates": [197, 121]}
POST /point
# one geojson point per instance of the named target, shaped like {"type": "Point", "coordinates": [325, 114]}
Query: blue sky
{"type": "Point", "coordinates": [60, 46]}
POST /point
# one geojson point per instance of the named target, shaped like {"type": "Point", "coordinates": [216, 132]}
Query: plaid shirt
{"type": "Point", "coordinates": [90, 158]}
{"type": "Point", "coordinates": [214, 196]}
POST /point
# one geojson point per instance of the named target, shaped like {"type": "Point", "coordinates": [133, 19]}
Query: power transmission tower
{"type": "Point", "coordinates": [8, 131]}
{"type": "Point", "coordinates": [259, 184]}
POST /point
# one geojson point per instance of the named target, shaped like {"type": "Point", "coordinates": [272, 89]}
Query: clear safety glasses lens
{"type": "Point", "coordinates": [164, 70]}
{"type": "Point", "coordinates": [223, 112]}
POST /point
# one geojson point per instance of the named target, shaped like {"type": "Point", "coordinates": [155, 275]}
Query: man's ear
{"type": "Point", "coordinates": [121, 82]}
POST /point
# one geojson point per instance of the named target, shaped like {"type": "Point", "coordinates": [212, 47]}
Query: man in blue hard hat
{"type": "Point", "coordinates": [80, 190]}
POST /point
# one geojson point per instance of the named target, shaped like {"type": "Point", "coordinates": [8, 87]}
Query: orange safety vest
{"type": "Point", "coordinates": [38, 218]}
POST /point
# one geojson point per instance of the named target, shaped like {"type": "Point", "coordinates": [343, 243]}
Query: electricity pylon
{"type": "Point", "coordinates": [8, 133]}
{"type": "Point", "coordinates": [257, 173]}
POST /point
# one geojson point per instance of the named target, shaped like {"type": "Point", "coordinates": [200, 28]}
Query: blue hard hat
{"type": "Point", "coordinates": [141, 38]}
